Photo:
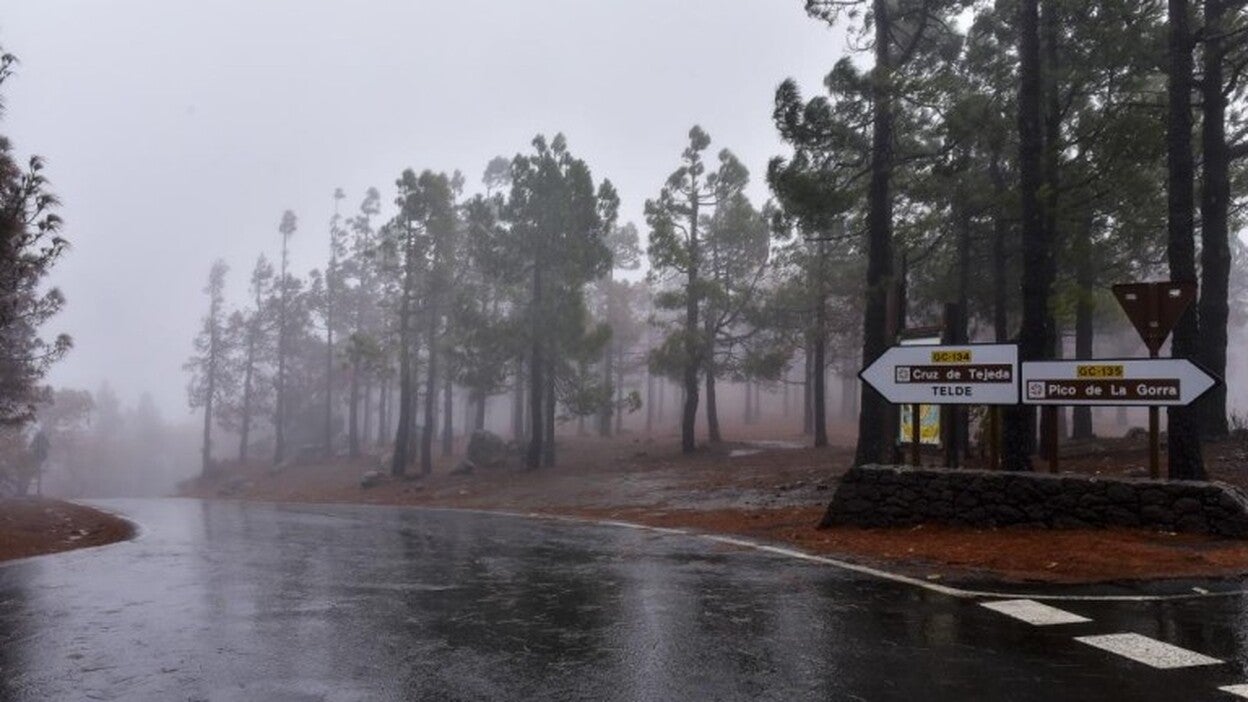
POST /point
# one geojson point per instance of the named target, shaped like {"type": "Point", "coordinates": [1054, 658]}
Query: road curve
{"type": "Point", "coordinates": [236, 601]}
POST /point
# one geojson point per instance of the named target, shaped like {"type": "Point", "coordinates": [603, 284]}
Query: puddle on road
{"type": "Point", "coordinates": [775, 444]}
{"type": "Point", "coordinates": [401, 587]}
{"type": "Point", "coordinates": [757, 447]}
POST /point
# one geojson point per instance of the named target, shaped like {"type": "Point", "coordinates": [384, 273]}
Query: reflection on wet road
{"type": "Point", "coordinates": [231, 601]}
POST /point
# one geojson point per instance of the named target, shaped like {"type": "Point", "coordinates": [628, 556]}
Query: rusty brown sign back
{"type": "Point", "coordinates": [1154, 308]}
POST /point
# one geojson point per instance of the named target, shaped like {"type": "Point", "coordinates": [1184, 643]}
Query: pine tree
{"type": "Point", "coordinates": [548, 234]}
{"type": "Point", "coordinates": [676, 244]}
{"type": "Point", "coordinates": [30, 244]}
{"type": "Point", "coordinates": [287, 228]}
{"type": "Point", "coordinates": [211, 379]}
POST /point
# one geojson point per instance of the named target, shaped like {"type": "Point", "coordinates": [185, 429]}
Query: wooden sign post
{"type": "Point", "coordinates": [1154, 309]}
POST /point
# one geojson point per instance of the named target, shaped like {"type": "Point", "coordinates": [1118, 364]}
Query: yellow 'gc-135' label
{"type": "Point", "coordinates": [1099, 371]}
{"type": "Point", "coordinates": [959, 356]}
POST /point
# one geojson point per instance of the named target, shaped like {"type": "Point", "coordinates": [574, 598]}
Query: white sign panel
{"type": "Point", "coordinates": [968, 374]}
{"type": "Point", "coordinates": [1145, 382]}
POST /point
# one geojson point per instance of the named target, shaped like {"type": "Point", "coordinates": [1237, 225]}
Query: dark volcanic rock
{"type": "Point", "coordinates": [486, 449]}
{"type": "Point", "coordinates": [901, 496]}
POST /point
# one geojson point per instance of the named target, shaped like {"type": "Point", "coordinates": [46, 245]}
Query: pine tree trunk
{"type": "Point", "coordinates": [366, 403]}
{"type": "Point", "coordinates": [382, 412]}
{"type": "Point", "coordinates": [328, 439]}
{"type": "Point", "coordinates": [1000, 270]}
{"type": "Point", "coordinates": [548, 446]}
{"type": "Point", "coordinates": [649, 402]}
{"type": "Point", "coordinates": [431, 397]}
{"type": "Point", "coordinates": [1051, 421]}
{"type": "Point", "coordinates": [583, 370]}
{"type": "Point", "coordinates": [618, 410]}
{"type": "Point", "coordinates": [961, 333]}
{"type": "Point", "coordinates": [963, 223]}
{"type": "Point", "coordinates": [517, 403]}
{"type": "Point", "coordinates": [279, 418]}
{"type": "Point", "coordinates": [693, 350]}
{"type": "Point", "coordinates": [1019, 424]}
{"type": "Point", "coordinates": [808, 391]}
{"type": "Point", "coordinates": [537, 383]}
{"type": "Point", "coordinates": [279, 414]}
{"type": "Point", "coordinates": [417, 421]}
{"type": "Point", "coordinates": [1183, 423]}
{"type": "Point", "coordinates": [712, 407]}
{"type": "Point", "coordinates": [1085, 276]}
{"type": "Point", "coordinates": [819, 370]}
{"type": "Point", "coordinates": [876, 419]}
{"type": "Point", "coordinates": [206, 456]}
{"type": "Point", "coordinates": [448, 407]}
{"type": "Point", "coordinates": [244, 434]}
{"type": "Point", "coordinates": [353, 411]}
{"type": "Point", "coordinates": [1215, 252]}
{"type": "Point", "coordinates": [820, 363]}
{"type": "Point", "coordinates": [604, 412]}
{"type": "Point", "coordinates": [402, 437]}
{"type": "Point", "coordinates": [784, 388]}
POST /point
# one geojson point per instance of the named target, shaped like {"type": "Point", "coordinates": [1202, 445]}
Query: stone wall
{"type": "Point", "coordinates": [886, 496]}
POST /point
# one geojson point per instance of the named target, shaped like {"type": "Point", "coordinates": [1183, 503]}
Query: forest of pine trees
{"type": "Point", "coordinates": [1014, 158]}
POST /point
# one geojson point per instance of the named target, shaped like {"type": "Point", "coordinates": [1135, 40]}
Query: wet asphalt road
{"type": "Point", "coordinates": [233, 601]}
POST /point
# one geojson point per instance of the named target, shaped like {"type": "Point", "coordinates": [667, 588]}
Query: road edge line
{"type": "Point", "coordinates": [741, 542]}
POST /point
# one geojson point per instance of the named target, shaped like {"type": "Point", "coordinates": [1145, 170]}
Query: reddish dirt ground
{"type": "Point", "coordinates": [35, 526]}
{"type": "Point", "coordinates": [939, 552]}
{"type": "Point", "coordinates": [777, 494]}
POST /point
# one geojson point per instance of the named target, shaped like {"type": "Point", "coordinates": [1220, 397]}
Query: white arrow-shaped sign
{"type": "Point", "coordinates": [1144, 382]}
{"type": "Point", "coordinates": [970, 374]}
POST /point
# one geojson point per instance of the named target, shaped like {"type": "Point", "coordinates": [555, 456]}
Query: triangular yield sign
{"type": "Point", "coordinates": [1154, 308]}
{"type": "Point", "coordinates": [1173, 299]}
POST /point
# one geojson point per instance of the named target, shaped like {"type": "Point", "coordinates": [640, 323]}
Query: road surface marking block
{"type": "Point", "coordinates": [1034, 612]}
{"type": "Point", "coordinates": [1238, 690]}
{"type": "Point", "coordinates": [1152, 652]}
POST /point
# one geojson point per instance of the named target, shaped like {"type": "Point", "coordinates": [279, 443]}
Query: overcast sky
{"type": "Point", "coordinates": [178, 131]}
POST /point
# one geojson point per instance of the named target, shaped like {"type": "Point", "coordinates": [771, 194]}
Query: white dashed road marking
{"type": "Point", "coordinates": [1238, 690]}
{"type": "Point", "coordinates": [1034, 612]}
{"type": "Point", "coordinates": [1142, 649]}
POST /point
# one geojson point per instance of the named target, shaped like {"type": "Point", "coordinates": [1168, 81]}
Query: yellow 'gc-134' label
{"type": "Point", "coordinates": [1099, 371]}
{"type": "Point", "coordinates": [959, 356]}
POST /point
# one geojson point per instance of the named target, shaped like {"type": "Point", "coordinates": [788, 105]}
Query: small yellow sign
{"type": "Point", "coordinates": [929, 425]}
{"type": "Point", "coordinates": [959, 356]}
{"type": "Point", "coordinates": [1100, 371]}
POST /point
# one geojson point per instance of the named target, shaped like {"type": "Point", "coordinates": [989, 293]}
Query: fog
{"type": "Point", "coordinates": [178, 132]}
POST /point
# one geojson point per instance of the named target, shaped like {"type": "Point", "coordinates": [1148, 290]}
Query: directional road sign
{"type": "Point", "coordinates": [969, 374]}
{"type": "Point", "coordinates": [1145, 382]}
